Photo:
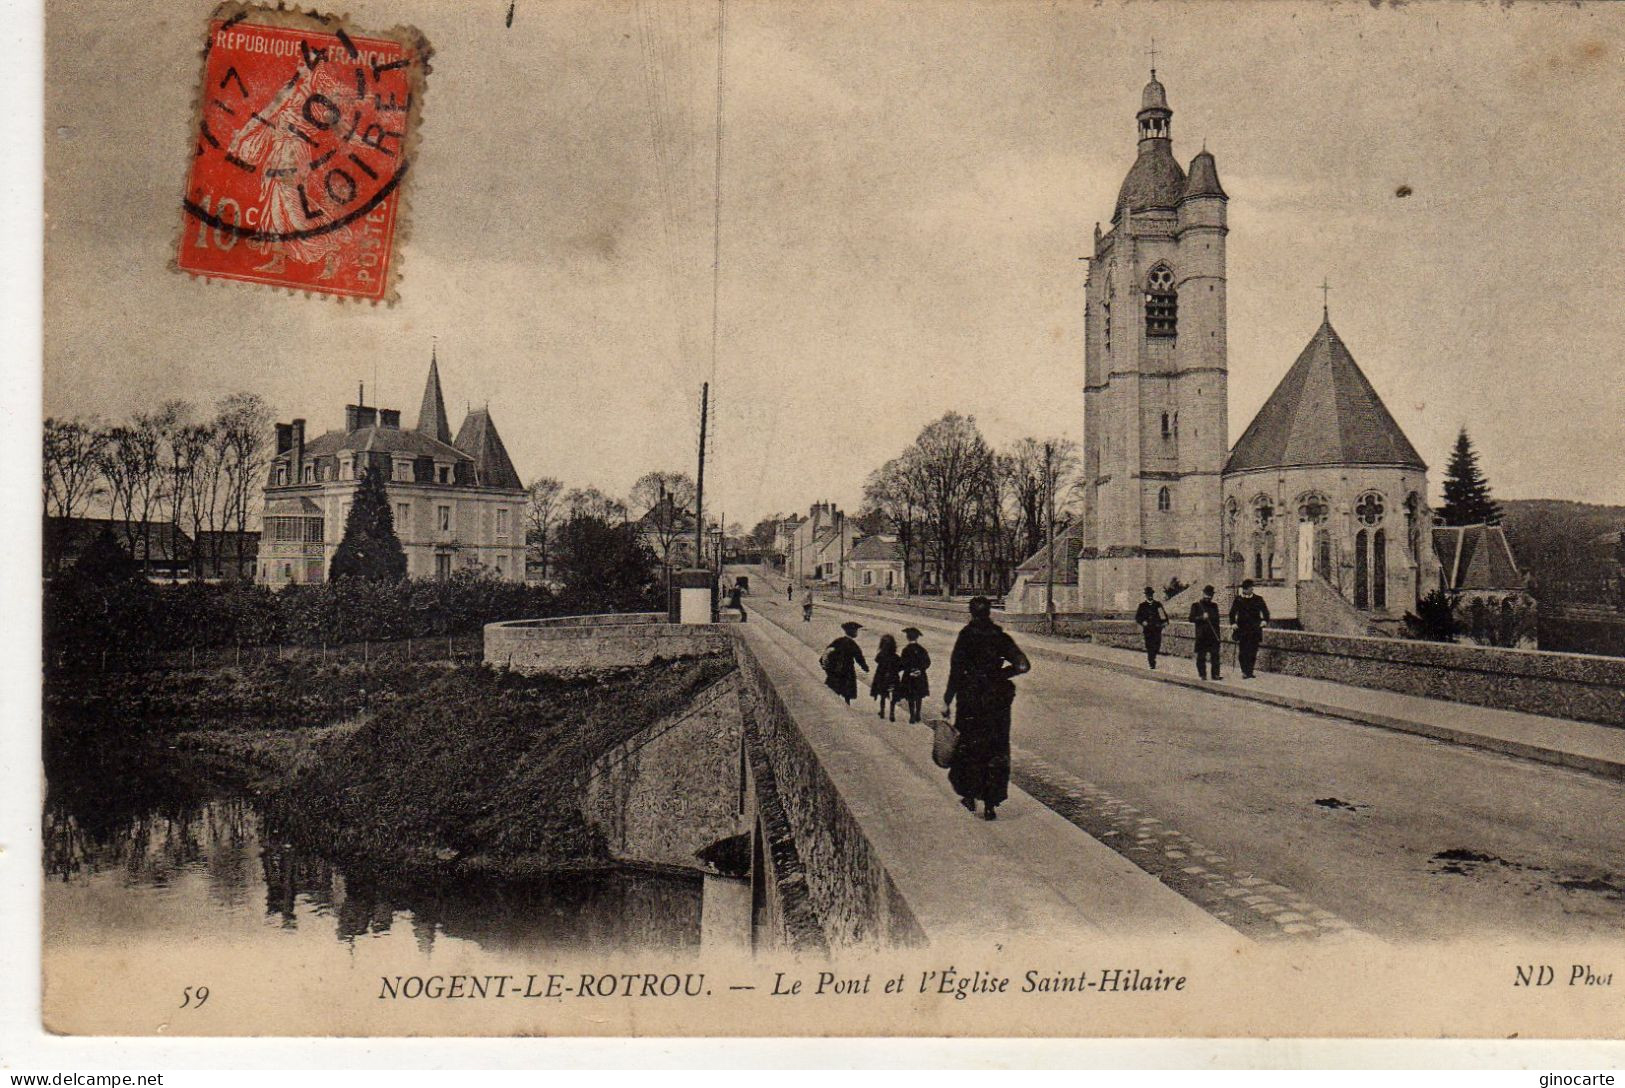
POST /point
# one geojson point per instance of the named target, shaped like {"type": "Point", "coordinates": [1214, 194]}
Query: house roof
{"type": "Point", "coordinates": [432, 413]}
{"type": "Point", "coordinates": [1068, 541]}
{"type": "Point", "coordinates": [875, 548]}
{"type": "Point", "coordinates": [292, 507]}
{"type": "Point", "coordinates": [1476, 557]}
{"type": "Point", "coordinates": [382, 440]}
{"type": "Point", "coordinates": [1324, 412]}
{"type": "Point", "coordinates": [478, 438]}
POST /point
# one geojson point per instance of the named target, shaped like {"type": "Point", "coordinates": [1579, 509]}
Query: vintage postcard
{"type": "Point", "coordinates": [856, 519]}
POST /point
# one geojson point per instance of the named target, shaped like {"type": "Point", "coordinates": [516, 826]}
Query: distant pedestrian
{"type": "Point", "coordinates": [841, 660]}
{"type": "Point", "coordinates": [1205, 618]}
{"type": "Point", "coordinates": [1250, 614]}
{"type": "Point", "coordinates": [789, 593]}
{"type": "Point", "coordinates": [913, 682]}
{"type": "Point", "coordinates": [883, 688]}
{"type": "Point", "coordinates": [736, 600]}
{"type": "Point", "coordinates": [1152, 618]}
{"type": "Point", "coordinates": [984, 661]}
{"type": "Point", "coordinates": [806, 607]}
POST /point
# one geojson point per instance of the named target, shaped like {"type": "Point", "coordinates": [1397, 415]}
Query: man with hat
{"type": "Point", "coordinates": [841, 660]}
{"type": "Point", "coordinates": [913, 684]}
{"type": "Point", "coordinates": [984, 660]}
{"type": "Point", "coordinates": [1152, 618]}
{"type": "Point", "coordinates": [1205, 618]}
{"type": "Point", "coordinates": [1249, 613]}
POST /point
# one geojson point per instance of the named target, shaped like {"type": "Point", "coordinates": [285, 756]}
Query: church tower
{"type": "Point", "coordinates": [1155, 428]}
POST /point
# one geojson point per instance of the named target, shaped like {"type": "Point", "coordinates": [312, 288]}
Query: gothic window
{"type": "Point", "coordinates": [1379, 569]}
{"type": "Point", "coordinates": [1413, 523]}
{"type": "Point", "coordinates": [1313, 508]}
{"type": "Point", "coordinates": [1165, 501]}
{"type": "Point", "coordinates": [1106, 316]}
{"type": "Point", "coordinates": [1369, 508]}
{"type": "Point", "coordinates": [1167, 429]}
{"type": "Point", "coordinates": [1161, 303]}
{"type": "Point", "coordinates": [1362, 571]}
{"type": "Point", "coordinates": [1263, 514]}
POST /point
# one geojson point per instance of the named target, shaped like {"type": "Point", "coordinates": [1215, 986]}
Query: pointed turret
{"type": "Point", "coordinates": [479, 439]}
{"type": "Point", "coordinates": [1204, 178]}
{"type": "Point", "coordinates": [432, 419]}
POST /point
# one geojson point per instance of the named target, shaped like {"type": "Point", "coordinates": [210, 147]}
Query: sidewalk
{"type": "Point", "coordinates": [1598, 749]}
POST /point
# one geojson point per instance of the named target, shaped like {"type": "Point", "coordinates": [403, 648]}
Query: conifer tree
{"type": "Point", "coordinates": [370, 549]}
{"type": "Point", "coordinates": [1467, 498]}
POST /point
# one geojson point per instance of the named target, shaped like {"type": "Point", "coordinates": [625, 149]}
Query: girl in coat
{"type": "Point", "coordinates": [887, 670]}
{"type": "Point", "coordinates": [913, 685]}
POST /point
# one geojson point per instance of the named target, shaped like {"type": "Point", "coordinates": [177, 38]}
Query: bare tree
{"type": "Point", "coordinates": [180, 448]}
{"type": "Point", "coordinates": [668, 499]}
{"type": "Point", "coordinates": [543, 504]}
{"type": "Point", "coordinates": [892, 492]}
{"type": "Point", "coordinates": [72, 465]}
{"type": "Point", "coordinates": [950, 465]}
{"type": "Point", "coordinates": [593, 503]}
{"type": "Point", "coordinates": [131, 465]}
{"type": "Point", "coordinates": [244, 422]}
{"type": "Point", "coordinates": [1037, 469]}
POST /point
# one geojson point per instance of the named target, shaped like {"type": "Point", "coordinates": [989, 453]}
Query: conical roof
{"type": "Point", "coordinates": [479, 439]}
{"type": "Point", "coordinates": [432, 419]}
{"type": "Point", "coordinates": [1204, 177]}
{"type": "Point", "coordinates": [1324, 412]}
{"type": "Point", "coordinates": [1154, 181]}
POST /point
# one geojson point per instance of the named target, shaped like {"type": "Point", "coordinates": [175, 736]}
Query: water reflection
{"type": "Point", "coordinates": [148, 846]}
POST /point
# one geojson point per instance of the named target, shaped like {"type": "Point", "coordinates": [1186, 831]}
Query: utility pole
{"type": "Point", "coordinates": [840, 571]}
{"type": "Point", "coordinates": [699, 480]}
{"type": "Point", "coordinates": [1049, 535]}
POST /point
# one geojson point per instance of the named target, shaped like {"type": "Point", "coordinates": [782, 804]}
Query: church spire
{"type": "Point", "coordinates": [432, 415]}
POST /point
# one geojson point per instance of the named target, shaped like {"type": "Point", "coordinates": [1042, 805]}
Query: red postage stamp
{"type": "Point", "coordinates": [305, 135]}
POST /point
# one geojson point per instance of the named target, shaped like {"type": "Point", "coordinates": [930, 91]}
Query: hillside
{"type": "Point", "coordinates": [1556, 542]}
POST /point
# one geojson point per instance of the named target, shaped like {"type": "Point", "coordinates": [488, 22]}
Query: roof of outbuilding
{"type": "Point", "coordinates": [1476, 557]}
{"type": "Point", "coordinates": [1067, 543]}
{"type": "Point", "coordinates": [1324, 412]}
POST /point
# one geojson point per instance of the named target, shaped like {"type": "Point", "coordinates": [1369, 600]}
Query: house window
{"type": "Point", "coordinates": [443, 473]}
{"type": "Point", "coordinates": [502, 523]}
{"type": "Point", "coordinates": [868, 577]}
{"type": "Point", "coordinates": [444, 514]}
{"type": "Point", "coordinates": [346, 469]}
{"type": "Point", "coordinates": [310, 474]}
{"type": "Point", "coordinates": [403, 516]}
{"type": "Point", "coordinates": [502, 565]}
{"type": "Point", "coordinates": [403, 471]}
{"type": "Point", "coordinates": [1165, 501]}
{"type": "Point", "coordinates": [281, 475]}
{"type": "Point", "coordinates": [313, 530]}
{"type": "Point", "coordinates": [1161, 303]}
{"type": "Point", "coordinates": [442, 566]}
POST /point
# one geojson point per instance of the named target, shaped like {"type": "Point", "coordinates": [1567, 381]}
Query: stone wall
{"type": "Point", "coordinates": [673, 789]}
{"type": "Point", "coordinates": [1573, 686]}
{"type": "Point", "coordinates": [597, 642]}
{"type": "Point", "coordinates": [850, 893]}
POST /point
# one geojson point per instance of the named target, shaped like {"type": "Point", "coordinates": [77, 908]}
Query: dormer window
{"type": "Point", "coordinates": [310, 474]}
{"type": "Point", "coordinates": [1161, 303]}
{"type": "Point", "coordinates": [282, 475]}
{"type": "Point", "coordinates": [442, 473]}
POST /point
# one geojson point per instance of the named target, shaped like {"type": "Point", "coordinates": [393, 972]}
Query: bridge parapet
{"type": "Point", "coordinates": [563, 643]}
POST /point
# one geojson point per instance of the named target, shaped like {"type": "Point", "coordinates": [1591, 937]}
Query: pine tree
{"type": "Point", "coordinates": [370, 549]}
{"type": "Point", "coordinates": [1467, 498]}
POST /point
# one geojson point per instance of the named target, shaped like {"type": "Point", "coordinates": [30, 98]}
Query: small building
{"type": "Point", "coordinates": [162, 549]}
{"type": "Point", "coordinates": [1031, 589]}
{"type": "Point", "coordinates": [1489, 596]}
{"type": "Point", "coordinates": [875, 566]}
{"type": "Point", "coordinates": [458, 504]}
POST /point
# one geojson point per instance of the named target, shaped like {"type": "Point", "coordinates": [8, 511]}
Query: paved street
{"type": "Point", "coordinates": [1288, 823]}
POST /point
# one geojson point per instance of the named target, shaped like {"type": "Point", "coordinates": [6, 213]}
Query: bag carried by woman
{"type": "Point", "coordinates": [945, 742]}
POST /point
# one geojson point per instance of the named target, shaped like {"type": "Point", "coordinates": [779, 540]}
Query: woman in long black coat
{"type": "Point", "coordinates": [979, 674]}
{"type": "Point", "coordinates": [841, 660]}
{"type": "Point", "coordinates": [913, 681]}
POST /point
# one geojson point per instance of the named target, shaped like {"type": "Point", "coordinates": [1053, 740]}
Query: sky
{"type": "Point", "coordinates": [906, 190]}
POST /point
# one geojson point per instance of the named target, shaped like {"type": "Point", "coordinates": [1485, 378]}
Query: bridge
{"type": "Point", "coordinates": [1142, 805]}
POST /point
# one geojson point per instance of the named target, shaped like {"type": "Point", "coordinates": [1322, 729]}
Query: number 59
{"type": "Point", "coordinates": [194, 996]}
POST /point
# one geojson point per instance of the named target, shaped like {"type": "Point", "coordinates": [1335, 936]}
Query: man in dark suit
{"type": "Point", "coordinates": [1205, 617]}
{"type": "Point", "coordinates": [1152, 618]}
{"type": "Point", "coordinates": [1249, 613]}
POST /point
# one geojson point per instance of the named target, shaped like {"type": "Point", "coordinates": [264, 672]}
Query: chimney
{"type": "Point", "coordinates": [284, 438]}
{"type": "Point", "coordinates": [367, 416]}
{"type": "Point", "coordinates": [352, 417]}
{"type": "Point", "coordinates": [389, 418]}
{"type": "Point", "coordinates": [298, 460]}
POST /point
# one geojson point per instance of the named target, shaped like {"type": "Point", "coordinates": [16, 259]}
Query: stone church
{"type": "Point", "coordinates": [1323, 501]}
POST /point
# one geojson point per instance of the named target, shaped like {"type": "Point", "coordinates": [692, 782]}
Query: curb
{"type": "Point", "coordinates": [1605, 768]}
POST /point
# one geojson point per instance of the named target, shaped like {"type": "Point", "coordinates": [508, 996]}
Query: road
{"type": "Point", "coordinates": [1276, 819]}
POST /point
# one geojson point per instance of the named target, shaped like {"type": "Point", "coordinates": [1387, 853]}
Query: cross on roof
{"type": "Point", "coordinates": [1153, 52]}
{"type": "Point", "coordinates": [1325, 298]}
